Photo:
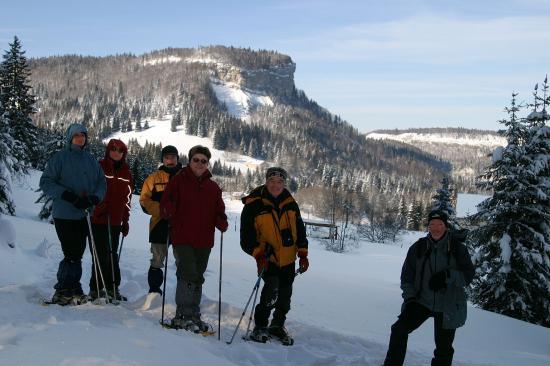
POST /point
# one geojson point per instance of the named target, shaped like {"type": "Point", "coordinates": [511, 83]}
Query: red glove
{"type": "Point", "coordinates": [304, 263]}
{"type": "Point", "coordinates": [261, 260]}
{"type": "Point", "coordinates": [125, 228]}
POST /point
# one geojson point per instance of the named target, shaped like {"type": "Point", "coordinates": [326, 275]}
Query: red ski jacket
{"type": "Point", "coordinates": [194, 207]}
{"type": "Point", "coordinates": [116, 203]}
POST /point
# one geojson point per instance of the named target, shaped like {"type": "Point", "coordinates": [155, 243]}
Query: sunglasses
{"type": "Point", "coordinates": [117, 149]}
{"type": "Point", "coordinates": [202, 161]}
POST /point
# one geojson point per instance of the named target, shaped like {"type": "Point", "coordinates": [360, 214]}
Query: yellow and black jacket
{"type": "Point", "coordinates": [149, 199]}
{"type": "Point", "coordinates": [274, 222]}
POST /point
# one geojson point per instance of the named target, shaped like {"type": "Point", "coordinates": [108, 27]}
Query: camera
{"type": "Point", "coordinates": [286, 236]}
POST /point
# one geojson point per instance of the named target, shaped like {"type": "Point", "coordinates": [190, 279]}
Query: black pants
{"type": "Point", "coordinates": [410, 319]}
{"type": "Point", "coordinates": [103, 248]}
{"type": "Point", "coordinates": [72, 235]}
{"type": "Point", "coordinates": [276, 294]}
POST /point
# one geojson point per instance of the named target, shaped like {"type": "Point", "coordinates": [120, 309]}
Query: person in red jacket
{"type": "Point", "coordinates": [193, 205]}
{"type": "Point", "coordinates": [110, 219]}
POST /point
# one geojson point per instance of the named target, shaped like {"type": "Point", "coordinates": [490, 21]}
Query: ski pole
{"type": "Point", "coordinates": [120, 249]}
{"type": "Point", "coordinates": [254, 289]}
{"type": "Point", "coordinates": [165, 270]}
{"type": "Point", "coordinates": [111, 255]}
{"type": "Point", "coordinates": [220, 288]}
{"type": "Point", "coordinates": [95, 257]}
{"type": "Point", "coordinates": [252, 312]}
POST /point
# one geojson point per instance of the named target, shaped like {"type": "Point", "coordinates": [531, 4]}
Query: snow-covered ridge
{"type": "Point", "coordinates": [162, 60]}
{"type": "Point", "coordinates": [441, 138]}
{"type": "Point", "coordinates": [239, 101]}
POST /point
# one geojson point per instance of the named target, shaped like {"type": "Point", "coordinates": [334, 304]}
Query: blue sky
{"type": "Point", "coordinates": [392, 64]}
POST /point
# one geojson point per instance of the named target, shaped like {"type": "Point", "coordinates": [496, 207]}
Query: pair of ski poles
{"type": "Point", "coordinates": [219, 287]}
{"type": "Point", "coordinates": [95, 259]}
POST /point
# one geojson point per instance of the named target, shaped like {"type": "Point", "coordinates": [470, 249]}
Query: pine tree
{"type": "Point", "coordinates": [18, 105]}
{"type": "Point", "coordinates": [6, 166]}
{"type": "Point", "coordinates": [511, 246]}
{"type": "Point", "coordinates": [442, 199]}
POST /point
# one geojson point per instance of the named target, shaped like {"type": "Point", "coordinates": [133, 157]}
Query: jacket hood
{"type": "Point", "coordinates": [119, 144]}
{"type": "Point", "coordinates": [74, 129]}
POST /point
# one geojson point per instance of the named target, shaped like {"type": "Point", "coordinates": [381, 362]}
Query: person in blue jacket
{"type": "Point", "coordinates": [75, 182]}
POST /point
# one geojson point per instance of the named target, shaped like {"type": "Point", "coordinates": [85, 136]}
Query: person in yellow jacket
{"type": "Point", "coordinates": [150, 197]}
{"type": "Point", "coordinates": [272, 231]}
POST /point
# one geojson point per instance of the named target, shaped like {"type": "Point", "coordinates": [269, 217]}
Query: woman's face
{"type": "Point", "coordinates": [198, 164]}
{"type": "Point", "coordinates": [115, 153]}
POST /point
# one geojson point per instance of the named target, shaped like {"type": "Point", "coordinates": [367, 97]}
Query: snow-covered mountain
{"type": "Point", "coordinates": [467, 150]}
{"type": "Point", "coordinates": [342, 308]}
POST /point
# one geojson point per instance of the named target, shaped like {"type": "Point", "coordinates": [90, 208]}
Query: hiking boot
{"type": "Point", "coordinates": [203, 326]}
{"type": "Point", "coordinates": [184, 322]}
{"type": "Point", "coordinates": [94, 295]}
{"type": "Point", "coordinates": [117, 296]}
{"type": "Point", "coordinates": [280, 333]}
{"type": "Point", "coordinates": [62, 297]}
{"type": "Point", "coordinates": [259, 334]}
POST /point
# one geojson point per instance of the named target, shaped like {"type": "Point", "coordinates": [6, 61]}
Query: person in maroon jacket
{"type": "Point", "coordinates": [193, 205]}
{"type": "Point", "coordinates": [110, 219]}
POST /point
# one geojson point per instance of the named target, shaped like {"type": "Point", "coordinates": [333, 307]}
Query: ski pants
{"type": "Point", "coordinates": [104, 251]}
{"type": "Point", "coordinates": [276, 294]}
{"type": "Point", "coordinates": [191, 264]}
{"type": "Point", "coordinates": [412, 317]}
{"type": "Point", "coordinates": [72, 235]}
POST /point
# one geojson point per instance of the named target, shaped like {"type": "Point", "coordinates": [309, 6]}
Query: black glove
{"type": "Point", "coordinates": [94, 200]}
{"type": "Point", "coordinates": [409, 300]}
{"type": "Point", "coordinates": [156, 196]}
{"type": "Point", "coordinates": [438, 280]}
{"type": "Point", "coordinates": [69, 197]}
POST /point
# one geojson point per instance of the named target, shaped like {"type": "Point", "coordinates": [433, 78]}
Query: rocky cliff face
{"type": "Point", "coordinates": [276, 81]}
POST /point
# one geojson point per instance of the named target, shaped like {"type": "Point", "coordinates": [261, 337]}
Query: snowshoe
{"type": "Point", "coordinates": [188, 324]}
{"type": "Point", "coordinates": [116, 296]}
{"type": "Point", "coordinates": [259, 334]}
{"type": "Point", "coordinates": [280, 334]}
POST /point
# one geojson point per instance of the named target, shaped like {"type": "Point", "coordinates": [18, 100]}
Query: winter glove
{"type": "Point", "coordinates": [77, 201]}
{"type": "Point", "coordinates": [438, 280]}
{"type": "Point", "coordinates": [261, 260]}
{"type": "Point", "coordinates": [125, 228]}
{"type": "Point", "coordinates": [303, 263]}
{"type": "Point", "coordinates": [94, 200]}
{"type": "Point", "coordinates": [409, 300]}
{"type": "Point", "coordinates": [221, 223]}
{"type": "Point", "coordinates": [156, 196]}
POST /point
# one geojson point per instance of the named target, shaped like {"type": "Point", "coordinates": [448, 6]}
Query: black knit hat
{"type": "Point", "coordinates": [275, 171]}
{"type": "Point", "coordinates": [438, 214]}
{"type": "Point", "coordinates": [169, 150]}
{"type": "Point", "coordinates": [199, 149]}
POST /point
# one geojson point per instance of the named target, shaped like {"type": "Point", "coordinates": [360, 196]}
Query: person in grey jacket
{"type": "Point", "coordinates": [436, 271]}
{"type": "Point", "coordinates": [75, 182]}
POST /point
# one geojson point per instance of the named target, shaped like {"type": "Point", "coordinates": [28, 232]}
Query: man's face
{"type": "Point", "coordinates": [275, 186]}
{"type": "Point", "coordinates": [198, 164]}
{"type": "Point", "coordinates": [79, 139]}
{"type": "Point", "coordinates": [437, 228]}
{"type": "Point", "coordinates": [170, 160]}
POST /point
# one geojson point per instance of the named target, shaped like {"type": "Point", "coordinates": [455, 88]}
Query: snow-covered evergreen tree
{"type": "Point", "coordinates": [442, 200]}
{"type": "Point", "coordinates": [18, 105]}
{"type": "Point", "coordinates": [513, 243]}
{"type": "Point", "coordinates": [6, 163]}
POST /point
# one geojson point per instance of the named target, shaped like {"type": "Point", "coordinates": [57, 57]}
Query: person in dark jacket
{"type": "Point", "coordinates": [272, 231]}
{"type": "Point", "coordinates": [436, 271]}
{"type": "Point", "coordinates": [110, 219]}
{"type": "Point", "coordinates": [193, 204]}
{"type": "Point", "coordinates": [151, 193]}
{"type": "Point", "coordinates": [75, 182]}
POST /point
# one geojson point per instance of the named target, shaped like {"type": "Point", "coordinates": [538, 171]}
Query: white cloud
{"type": "Point", "coordinates": [431, 39]}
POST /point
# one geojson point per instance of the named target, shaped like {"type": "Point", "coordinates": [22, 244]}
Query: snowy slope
{"type": "Point", "coordinates": [159, 132]}
{"type": "Point", "coordinates": [341, 312]}
{"type": "Point", "coordinates": [238, 101]}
